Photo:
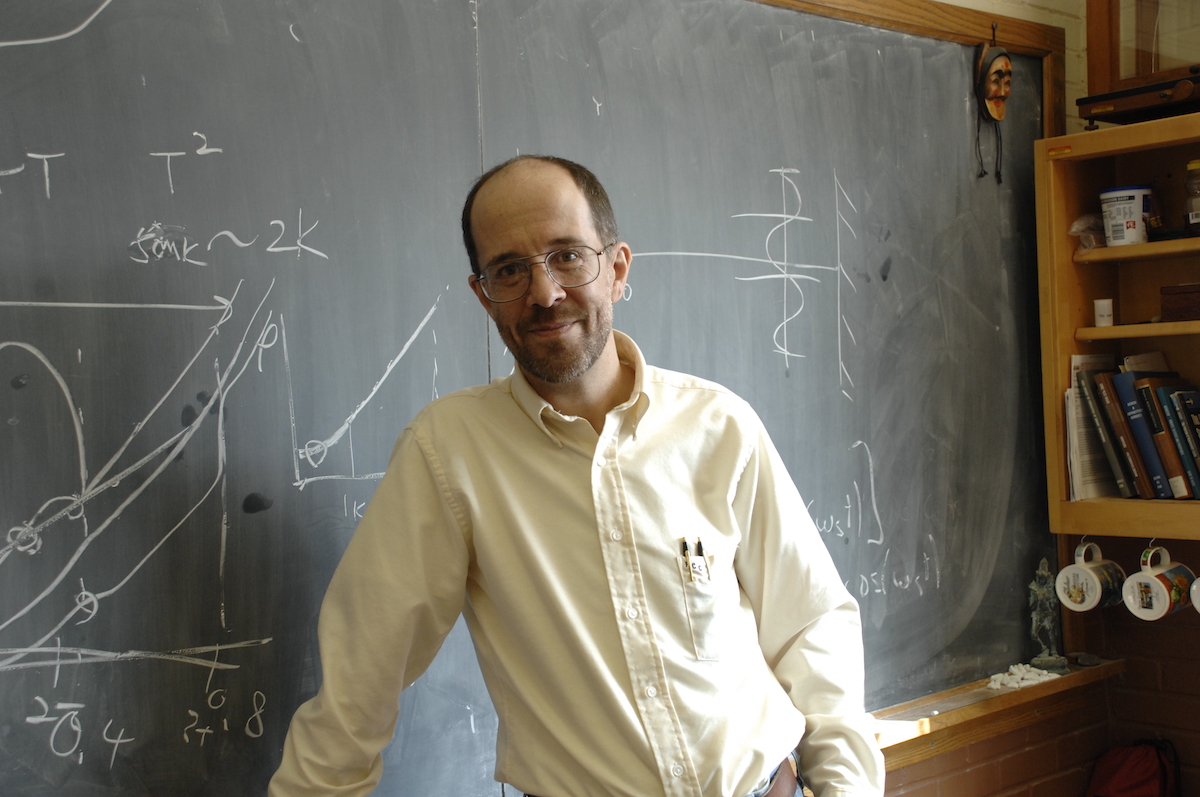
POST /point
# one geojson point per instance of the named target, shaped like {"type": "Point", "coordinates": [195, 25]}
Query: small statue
{"type": "Point", "coordinates": [1044, 602]}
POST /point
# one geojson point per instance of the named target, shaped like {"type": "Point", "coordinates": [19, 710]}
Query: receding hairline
{"type": "Point", "coordinates": [599, 206]}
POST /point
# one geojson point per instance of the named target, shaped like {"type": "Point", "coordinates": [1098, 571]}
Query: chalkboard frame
{"type": "Point", "coordinates": [936, 20]}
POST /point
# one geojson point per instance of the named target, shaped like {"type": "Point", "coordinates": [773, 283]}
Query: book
{"type": "Point", "coordinates": [1189, 415]}
{"type": "Point", "coordinates": [1181, 412]}
{"type": "Point", "coordinates": [1146, 361]}
{"type": "Point", "coordinates": [1139, 427]}
{"type": "Point", "coordinates": [1122, 435]}
{"type": "Point", "coordinates": [1167, 451]}
{"type": "Point", "coordinates": [1086, 381]}
{"type": "Point", "coordinates": [1090, 475]}
{"type": "Point", "coordinates": [1166, 399]}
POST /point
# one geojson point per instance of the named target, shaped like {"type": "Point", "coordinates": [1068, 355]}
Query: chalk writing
{"type": "Point", "coordinates": [216, 700]}
{"type": "Point", "coordinates": [67, 732]}
{"type": "Point", "coordinates": [204, 149]}
{"type": "Point", "coordinates": [160, 241]}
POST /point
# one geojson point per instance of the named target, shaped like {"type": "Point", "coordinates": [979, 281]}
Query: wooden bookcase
{"type": "Point", "coordinates": [1071, 172]}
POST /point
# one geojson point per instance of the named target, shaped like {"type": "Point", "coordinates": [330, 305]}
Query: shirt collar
{"type": "Point", "coordinates": [536, 407]}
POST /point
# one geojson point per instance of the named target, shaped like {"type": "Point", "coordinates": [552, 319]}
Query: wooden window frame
{"type": "Point", "coordinates": [1104, 51]}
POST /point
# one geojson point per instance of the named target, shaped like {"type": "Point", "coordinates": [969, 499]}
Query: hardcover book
{"type": "Point", "coordinates": [1167, 451]}
{"type": "Point", "coordinates": [1122, 435]}
{"type": "Point", "coordinates": [1139, 427]}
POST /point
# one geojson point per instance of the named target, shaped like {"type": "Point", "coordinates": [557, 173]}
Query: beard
{"type": "Point", "coordinates": [559, 362]}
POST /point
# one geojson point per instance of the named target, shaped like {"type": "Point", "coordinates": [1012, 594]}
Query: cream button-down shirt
{"type": "Point", "coordinates": [618, 665]}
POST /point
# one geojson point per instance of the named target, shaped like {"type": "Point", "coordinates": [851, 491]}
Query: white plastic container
{"type": "Point", "coordinates": [1126, 214]}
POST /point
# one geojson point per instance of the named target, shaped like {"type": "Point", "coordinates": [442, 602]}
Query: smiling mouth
{"type": "Point", "coordinates": [552, 329]}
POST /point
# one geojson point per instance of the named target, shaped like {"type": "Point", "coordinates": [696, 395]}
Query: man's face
{"type": "Point", "coordinates": [556, 334]}
{"type": "Point", "coordinates": [998, 86]}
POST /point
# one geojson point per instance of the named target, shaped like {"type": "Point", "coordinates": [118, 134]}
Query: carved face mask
{"type": "Point", "coordinates": [993, 82]}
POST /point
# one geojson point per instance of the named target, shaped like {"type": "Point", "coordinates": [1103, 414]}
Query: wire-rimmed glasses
{"type": "Point", "coordinates": [571, 267]}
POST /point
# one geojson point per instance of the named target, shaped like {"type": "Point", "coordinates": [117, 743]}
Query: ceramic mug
{"type": "Point", "coordinates": [1089, 583]}
{"type": "Point", "coordinates": [1158, 590]}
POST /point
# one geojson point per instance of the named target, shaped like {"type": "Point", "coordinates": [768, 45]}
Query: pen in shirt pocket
{"type": "Point", "coordinates": [697, 565]}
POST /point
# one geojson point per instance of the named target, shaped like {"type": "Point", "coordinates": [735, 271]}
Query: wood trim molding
{"type": "Point", "coordinates": [966, 26]}
{"type": "Point", "coordinates": [921, 729]}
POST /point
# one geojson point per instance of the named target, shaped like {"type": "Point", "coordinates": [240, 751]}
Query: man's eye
{"type": "Point", "coordinates": [507, 270]}
{"type": "Point", "coordinates": [567, 257]}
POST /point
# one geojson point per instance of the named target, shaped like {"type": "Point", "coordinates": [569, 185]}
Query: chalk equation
{"type": "Point", "coordinates": [158, 242]}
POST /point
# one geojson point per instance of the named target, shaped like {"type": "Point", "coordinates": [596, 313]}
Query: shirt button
{"type": "Point", "coordinates": [651, 691]}
{"type": "Point", "coordinates": [677, 771]}
{"type": "Point", "coordinates": [616, 535]}
{"type": "Point", "coordinates": [601, 462]}
{"type": "Point", "coordinates": [631, 613]}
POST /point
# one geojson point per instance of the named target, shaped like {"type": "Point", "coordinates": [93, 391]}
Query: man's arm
{"type": "Point", "coordinates": [395, 596]}
{"type": "Point", "coordinates": [809, 628]}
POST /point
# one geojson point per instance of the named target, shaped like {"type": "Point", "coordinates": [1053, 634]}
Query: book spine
{"type": "Point", "coordinates": [1087, 387]}
{"type": "Point", "coordinates": [1189, 431]}
{"type": "Point", "coordinates": [1190, 417]}
{"type": "Point", "coordinates": [1161, 435]}
{"type": "Point", "coordinates": [1175, 428]}
{"type": "Point", "coordinates": [1139, 427]}
{"type": "Point", "coordinates": [1121, 433]}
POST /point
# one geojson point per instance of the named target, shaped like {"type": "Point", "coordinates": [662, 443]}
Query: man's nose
{"type": "Point", "coordinates": [543, 290]}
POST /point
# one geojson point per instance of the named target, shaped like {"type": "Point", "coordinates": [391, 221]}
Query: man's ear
{"type": "Point", "coordinates": [622, 258]}
{"type": "Point", "coordinates": [473, 281]}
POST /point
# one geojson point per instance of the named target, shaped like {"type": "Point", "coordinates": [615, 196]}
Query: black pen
{"type": "Point", "coordinates": [700, 555]}
{"type": "Point", "coordinates": [687, 558]}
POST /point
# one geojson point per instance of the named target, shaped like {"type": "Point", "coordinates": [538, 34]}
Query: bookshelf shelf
{"type": "Point", "coordinates": [1072, 171]}
{"type": "Point", "coordinates": [1127, 331]}
{"type": "Point", "coordinates": [1130, 517]}
{"type": "Point", "coordinates": [1139, 253]}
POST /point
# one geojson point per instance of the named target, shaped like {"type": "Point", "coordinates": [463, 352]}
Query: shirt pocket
{"type": "Point", "coordinates": [701, 599]}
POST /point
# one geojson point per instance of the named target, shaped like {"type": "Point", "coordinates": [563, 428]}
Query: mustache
{"type": "Point", "coordinates": [548, 316]}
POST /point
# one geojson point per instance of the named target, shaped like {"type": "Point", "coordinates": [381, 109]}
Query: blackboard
{"type": "Point", "coordinates": [230, 273]}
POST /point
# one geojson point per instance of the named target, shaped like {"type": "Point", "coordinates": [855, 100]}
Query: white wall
{"type": "Point", "coordinates": [1066, 14]}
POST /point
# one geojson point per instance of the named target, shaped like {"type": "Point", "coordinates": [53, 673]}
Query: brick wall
{"type": "Point", "coordinates": [1048, 759]}
{"type": "Point", "coordinates": [1157, 697]}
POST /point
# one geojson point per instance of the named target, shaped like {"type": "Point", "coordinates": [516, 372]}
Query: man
{"type": "Point", "coordinates": [653, 610]}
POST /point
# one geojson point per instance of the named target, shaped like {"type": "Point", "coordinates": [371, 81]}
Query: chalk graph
{"type": "Point", "coordinates": [311, 455]}
{"type": "Point", "coordinates": [791, 273]}
{"type": "Point", "coordinates": [56, 512]}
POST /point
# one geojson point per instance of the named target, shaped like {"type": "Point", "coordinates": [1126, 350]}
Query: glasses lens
{"type": "Point", "coordinates": [571, 268]}
{"type": "Point", "coordinates": [504, 282]}
{"type": "Point", "coordinates": [574, 266]}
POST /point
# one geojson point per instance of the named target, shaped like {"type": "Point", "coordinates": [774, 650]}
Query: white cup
{"type": "Point", "coordinates": [1089, 584]}
{"type": "Point", "coordinates": [1104, 312]}
{"type": "Point", "coordinates": [1158, 590]}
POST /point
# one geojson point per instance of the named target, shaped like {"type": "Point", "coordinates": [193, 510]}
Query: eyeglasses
{"type": "Point", "coordinates": [572, 267]}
